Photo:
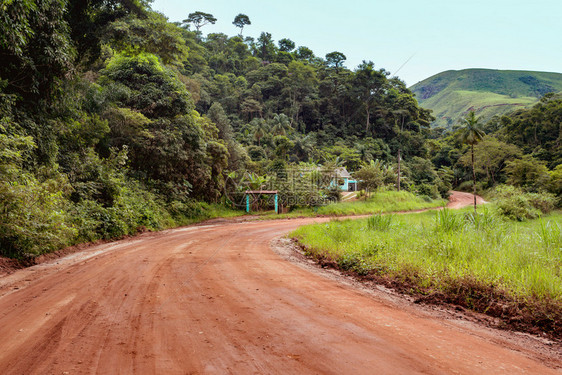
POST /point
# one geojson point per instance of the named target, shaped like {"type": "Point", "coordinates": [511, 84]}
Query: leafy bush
{"type": "Point", "coordinates": [465, 186]}
{"type": "Point", "coordinates": [545, 202]}
{"type": "Point", "coordinates": [517, 208]}
{"type": "Point", "coordinates": [333, 194]}
{"type": "Point", "coordinates": [32, 212]}
{"type": "Point", "coordinates": [33, 219]}
{"type": "Point", "coordinates": [429, 190]}
{"type": "Point", "coordinates": [97, 222]}
{"type": "Point", "coordinates": [515, 204]}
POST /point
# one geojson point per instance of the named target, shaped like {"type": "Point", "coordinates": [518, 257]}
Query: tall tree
{"type": "Point", "coordinates": [304, 53]}
{"type": "Point", "coordinates": [152, 33]}
{"type": "Point", "coordinates": [472, 133]}
{"type": "Point", "coordinates": [240, 21]}
{"type": "Point", "coordinates": [369, 86]}
{"type": "Point", "coordinates": [490, 158]}
{"type": "Point", "coordinates": [260, 129]}
{"type": "Point", "coordinates": [88, 20]}
{"type": "Point", "coordinates": [335, 59]}
{"type": "Point", "coordinates": [286, 45]}
{"type": "Point", "coordinates": [35, 49]}
{"type": "Point", "coordinates": [370, 177]}
{"type": "Point", "coordinates": [300, 83]}
{"type": "Point", "coordinates": [200, 19]}
{"type": "Point", "coordinates": [281, 124]}
{"type": "Point", "coordinates": [218, 116]}
{"type": "Point", "coordinates": [265, 47]}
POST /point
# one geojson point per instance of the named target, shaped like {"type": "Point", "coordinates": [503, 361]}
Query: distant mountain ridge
{"type": "Point", "coordinates": [488, 92]}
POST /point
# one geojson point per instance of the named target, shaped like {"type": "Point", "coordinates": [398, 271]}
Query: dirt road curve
{"type": "Point", "coordinates": [215, 299]}
{"type": "Point", "coordinates": [459, 199]}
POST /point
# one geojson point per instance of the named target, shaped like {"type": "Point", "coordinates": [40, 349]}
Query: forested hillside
{"type": "Point", "coordinates": [522, 149]}
{"type": "Point", "coordinates": [452, 94]}
{"type": "Point", "coordinates": [114, 120]}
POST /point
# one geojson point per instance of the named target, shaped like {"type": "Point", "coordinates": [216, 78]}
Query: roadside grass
{"type": "Point", "coordinates": [206, 211]}
{"type": "Point", "coordinates": [383, 201]}
{"type": "Point", "coordinates": [505, 269]}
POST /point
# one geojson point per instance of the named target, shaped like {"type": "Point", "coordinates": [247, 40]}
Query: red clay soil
{"type": "Point", "coordinates": [459, 199]}
{"type": "Point", "coordinates": [215, 299]}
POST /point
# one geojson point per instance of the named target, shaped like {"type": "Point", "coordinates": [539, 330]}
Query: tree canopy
{"type": "Point", "coordinates": [240, 21]}
{"type": "Point", "coordinates": [199, 19]}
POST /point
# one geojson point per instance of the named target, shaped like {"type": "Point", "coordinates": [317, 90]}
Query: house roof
{"type": "Point", "coordinates": [342, 172]}
{"type": "Point", "coordinates": [339, 171]}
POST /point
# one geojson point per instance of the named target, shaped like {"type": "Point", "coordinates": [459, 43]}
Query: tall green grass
{"type": "Point", "coordinates": [382, 201]}
{"type": "Point", "coordinates": [452, 252]}
{"type": "Point", "coordinates": [379, 222]}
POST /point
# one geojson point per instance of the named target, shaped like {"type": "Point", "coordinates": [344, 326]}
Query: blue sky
{"type": "Point", "coordinates": [437, 35]}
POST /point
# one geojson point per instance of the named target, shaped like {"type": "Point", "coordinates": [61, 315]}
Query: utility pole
{"type": "Point", "coordinates": [398, 180]}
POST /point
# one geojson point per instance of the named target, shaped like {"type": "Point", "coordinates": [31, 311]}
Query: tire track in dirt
{"type": "Point", "coordinates": [217, 300]}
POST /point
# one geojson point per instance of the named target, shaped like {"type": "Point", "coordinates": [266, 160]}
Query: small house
{"type": "Point", "coordinates": [344, 180]}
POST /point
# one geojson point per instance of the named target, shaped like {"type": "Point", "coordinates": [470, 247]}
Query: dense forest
{"type": "Point", "coordinates": [114, 120]}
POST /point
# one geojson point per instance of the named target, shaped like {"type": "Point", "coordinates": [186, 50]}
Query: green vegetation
{"type": "Point", "coordinates": [114, 120]}
{"type": "Point", "coordinates": [381, 201]}
{"type": "Point", "coordinates": [521, 149]}
{"type": "Point", "coordinates": [385, 201]}
{"type": "Point", "coordinates": [472, 133]}
{"type": "Point", "coordinates": [489, 93]}
{"type": "Point", "coordinates": [516, 204]}
{"type": "Point", "coordinates": [483, 262]}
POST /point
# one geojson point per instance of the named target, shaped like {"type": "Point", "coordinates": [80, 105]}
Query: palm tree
{"type": "Point", "coordinates": [258, 134]}
{"type": "Point", "coordinates": [472, 134]}
{"type": "Point", "coordinates": [260, 129]}
{"type": "Point", "coordinates": [281, 124]}
{"type": "Point", "coordinates": [304, 147]}
{"type": "Point", "coordinates": [402, 113]}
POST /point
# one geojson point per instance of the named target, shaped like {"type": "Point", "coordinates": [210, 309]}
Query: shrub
{"type": "Point", "coordinates": [517, 205]}
{"type": "Point", "coordinates": [426, 198]}
{"type": "Point", "coordinates": [517, 208]}
{"type": "Point", "coordinates": [465, 186]}
{"type": "Point", "coordinates": [333, 194]}
{"type": "Point", "coordinates": [33, 219]}
{"type": "Point", "coordinates": [427, 189]}
{"type": "Point", "coordinates": [545, 202]}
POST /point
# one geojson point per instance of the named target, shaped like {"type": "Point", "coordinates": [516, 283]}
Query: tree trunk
{"type": "Point", "coordinates": [473, 177]}
{"type": "Point", "coordinates": [368, 120]}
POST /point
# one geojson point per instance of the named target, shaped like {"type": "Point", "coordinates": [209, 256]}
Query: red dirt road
{"type": "Point", "coordinates": [459, 199]}
{"type": "Point", "coordinates": [215, 299]}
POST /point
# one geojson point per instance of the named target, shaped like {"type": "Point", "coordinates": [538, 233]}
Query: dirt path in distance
{"type": "Point", "coordinates": [459, 199]}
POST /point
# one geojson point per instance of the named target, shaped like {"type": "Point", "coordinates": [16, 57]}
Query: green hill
{"type": "Point", "coordinates": [488, 92]}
